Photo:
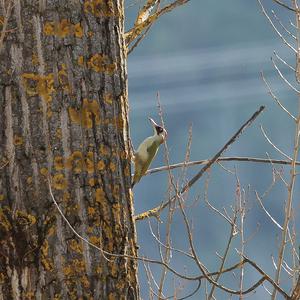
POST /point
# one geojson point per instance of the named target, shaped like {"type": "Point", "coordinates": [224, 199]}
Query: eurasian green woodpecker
{"type": "Point", "coordinates": [147, 151]}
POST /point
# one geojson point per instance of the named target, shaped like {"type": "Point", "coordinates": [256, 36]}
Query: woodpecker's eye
{"type": "Point", "coordinates": [159, 129]}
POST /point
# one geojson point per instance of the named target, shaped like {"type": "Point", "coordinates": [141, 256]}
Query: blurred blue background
{"type": "Point", "coordinates": [204, 59]}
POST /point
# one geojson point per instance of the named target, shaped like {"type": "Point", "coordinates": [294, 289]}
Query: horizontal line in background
{"type": "Point", "coordinates": [228, 75]}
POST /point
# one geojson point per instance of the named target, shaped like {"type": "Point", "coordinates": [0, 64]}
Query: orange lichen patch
{"type": "Point", "coordinates": [126, 171]}
{"type": "Point", "coordinates": [89, 162]}
{"type": "Point", "coordinates": [80, 60]}
{"type": "Point", "coordinates": [99, 270]}
{"type": "Point", "coordinates": [59, 182]}
{"type": "Point", "coordinates": [108, 98]}
{"type": "Point", "coordinates": [24, 218]}
{"type": "Point", "coordinates": [114, 267]}
{"type": "Point", "coordinates": [44, 171]}
{"type": "Point", "coordinates": [63, 28]}
{"type": "Point", "coordinates": [35, 60]}
{"type": "Point", "coordinates": [29, 180]}
{"type": "Point", "coordinates": [39, 85]}
{"type": "Point", "coordinates": [95, 240]}
{"type": "Point", "coordinates": [75, 246]}
{"type": "Point", "coordinates": [18, 140]}
{"type": "Point", "coordinates": [100, 195]}
{"type": "Point", "coordinates": [2, 278]}
{"type": "Point", "coordinates": [116, 191]}
{"type": "Point", "coordinates": [63, 78]}
{"type": "Point", "coordinates": [46, 262]}
{"type": "Point", "coordinates": [57, 297]}
{"type": "Point", "coordinates": [78, 31]}
{"type": "Point", "coordinates": [91, 211]}
{"type": "Point", "coordinates": [113, 167]}
{"type": "Point", "coordinates": [30, 295]}
{"type": "Point", "coordinates": [92, 182]}
{"type": "Point", "coordinates": [66, 196]}
{"type": "Point", "coordinates": [90, 33]}
{"type": "Point", "coordinates": [1, 197]}
{"type": "Point", "coordinates": [90, 111]}
{"type": "Point", "coordinates": [76, 162]}
{"type": "Point", "coordinates": [51, 230]}
{"type": "Point", "coordinates": [58, 133]}
{"type": "Point", "coordinates": [84, 280]}
{"type": "Point", "coordinates": [119, 121]}
{"type": "Point", "coordinates": [4, 222]}
{"type": "Point", "coordinates": [123, 154]}
{"type": "Point", "coordinates": [101, 63]}
{"type": "Point", "coordinates": [100, 165]}
{"type": "Point", "coordinates": [90, 229]}
{"type": "Point", "coordinates": [74, 267]}
{"type": "Point", "coordinates": [107, 231]}
{"type": "Point", "coordinates": [104, 150]}
{"type": "Point", "coordinates": [100, 8]}
{"type": "Point", "coordinates": [116, 210]}
{"type": "Point", "coordinates": [112, 296]}
{"type": "Point", "coordinates": [49, 28]}
{"type": "Point", "coordinates": [49, 112]}
{"type": "Point", "coordinates": [58, 163]}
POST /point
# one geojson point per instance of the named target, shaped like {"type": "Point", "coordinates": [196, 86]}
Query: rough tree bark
{"type": "Point", "coordinates": [64, 116]}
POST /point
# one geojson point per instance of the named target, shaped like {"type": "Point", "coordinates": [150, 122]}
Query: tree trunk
{"type": "Point", "coordinates": [64, 116]}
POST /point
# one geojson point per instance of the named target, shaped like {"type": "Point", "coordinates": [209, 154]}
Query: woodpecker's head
{"type": "Point", "coordinates": [159, 131]}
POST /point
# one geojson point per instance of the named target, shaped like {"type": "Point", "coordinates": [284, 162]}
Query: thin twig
{"type": "Point", "coordinates": [274, 27]}
{"type": "Point", "coordinates": [274, 96]}
{"type": "Point", "coordinates": [233, 158]}
{"type": "Point", "coordinates": [273, 145]}
{"type": "Point", "coordinates": [284, 5]}
{"type": "Point", "coordinates": [267, 213]}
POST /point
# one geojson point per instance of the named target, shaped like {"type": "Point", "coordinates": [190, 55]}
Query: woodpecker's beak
{"type": "Point", "coordinates": [152, 122]}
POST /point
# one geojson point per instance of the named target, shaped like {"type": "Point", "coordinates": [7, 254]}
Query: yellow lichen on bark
{"type": "Point", "coordinates": [44, 171]}
{"type": "Point", "coordinates": [23, 218]}
{"type": "Point", "coordinates": [39, 85]}
{"type": "Point", "coordinates": [59, 181]}
{"type": "Point", "coordinates": [100, 8]}
{"type": "Point", "coordinates": [63, 78]}
{"type": "Point", "coordinates": [89, 162]}
{"type": "Point", "coordinates": [4, 221]}
{"type": "Point", "coordinates": [76, 162]}
{"type": "Point", "coordinates": [90, 110]}
{"type": "Point", "coordinates": [58, 163]}
{"type": "Point", "coordinates": [76, 246]}
{"type": "Point", "coordinates": [80, 60]}
{"type": "Point", "coordinates": [46, 261]}
{"type": "Point", "coordinates": [99, 195]}
{"type": "Point", "coordinates": [101, 165]}
{"type": "Point", "coordinates": [101, 63]}
{"type": "Point", "coordinates": [92, 182]}
{"type": "Point", "coordinates": [108, 99]}
{"type": "Point", "coordinates": [63, 28]}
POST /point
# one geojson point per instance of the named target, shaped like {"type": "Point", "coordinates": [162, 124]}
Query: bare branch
{"type": "Point", "coordinates": [234, 158]}
{"type": "Point", "coordinates": [283, 77]}
{"type": "Point", "coordinates": [282, 25]}
{"type": "Point", "coordinates": [267, 213]}
{"type": "Point", "coordinates": [284, 5]}
{"type": "Point", "coordinates": [274, 27]}
{"type": "Point", "coordinates": [274, 97]}
{"type": "Point", "coordinates": [273, 145]}
{"type": "Point", "coordinates": [134, 32]}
